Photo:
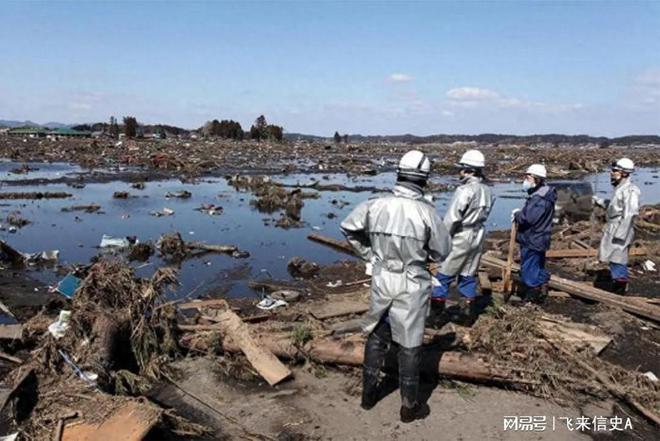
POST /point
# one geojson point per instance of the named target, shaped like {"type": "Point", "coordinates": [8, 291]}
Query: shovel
{"type": "Point", "coordinates": [506, 278]}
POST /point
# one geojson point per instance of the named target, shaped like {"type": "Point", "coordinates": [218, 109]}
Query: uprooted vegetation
{"type": "Point", "coordinates": [119, 340]}
{"type": "Point", "coordinates": [272, 197]}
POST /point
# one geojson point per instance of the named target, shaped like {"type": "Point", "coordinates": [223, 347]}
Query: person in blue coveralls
{"type": "Point", "coordinates": [534, 232]}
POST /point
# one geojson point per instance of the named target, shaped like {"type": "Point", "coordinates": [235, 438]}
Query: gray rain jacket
{"type": "Point", "coordinates": [465, 218]}
{"type": "Point", "coordinates": [619, 231]}
{"type": "Point", "coordinates": [398, 234]}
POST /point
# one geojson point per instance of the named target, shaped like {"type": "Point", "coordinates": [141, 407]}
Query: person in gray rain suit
{"type": "Point", "coordinates": [465, 220]}
{"type": "Point", "coordinates": [397, 235]}
{"type": "Point", "coordinates": [619, 231]}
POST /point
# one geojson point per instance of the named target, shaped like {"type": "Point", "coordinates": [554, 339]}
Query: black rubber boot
{"type": "Point", "coordinates": [375, 350]}
{"type": "Point", "coordinates": [369, 389]}
{"type": "Point", "coordinates": [544, 293]}
{"type": "Point", "coordinates": [467, 313]}
{"type": "Point", "coordinates": [620, 287]}
{"type": "Point", "coordinates": [437, 317]}
{"type": "Point", "coordinates": [417, 412]}
{"type": "Point", "coordinates": [409, 361]}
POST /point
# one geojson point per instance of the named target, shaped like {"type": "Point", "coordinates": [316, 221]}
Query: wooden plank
{"type": "Point", "coordinates": [131, 422]}
{"type": "Point", "coordinates": [11, 332]}
{"type": "Point", "coordinates": [354, 325]}
{"type": "Point", "coordinates": [339, 245]}
{"type": "Point", "coordinates": [11, 358]}
{"type": "Point", "coordinates": [579, 253]}
{"type": "Point", "coordinates": [263, 360]}
{"type": "Point", "coordinates": [582, 244]}
{"type": "Point", "coordinates": [484, 282]}
{"type": "Point", "coordinates": [338, 309]}
{"type": "Point", "coordinates": [198, 304]}
{"type": "Point", "coordinates": [575, 333]}
{"type": "Point", "coordinates": [582, 290]}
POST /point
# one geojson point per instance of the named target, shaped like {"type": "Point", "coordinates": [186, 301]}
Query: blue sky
{"type": "Point", "coordinates": [355, 67]}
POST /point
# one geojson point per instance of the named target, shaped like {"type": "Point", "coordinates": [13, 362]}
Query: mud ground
{"type": "Point", "coordinates": [327, 408]}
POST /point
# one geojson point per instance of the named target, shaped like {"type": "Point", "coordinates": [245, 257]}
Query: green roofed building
{"type": "Point", "coordinates": [32, 132]}
{"type": "Point", "coordinates": [40, 132]}
{"type": "Point", "coordinates": [71, 133]}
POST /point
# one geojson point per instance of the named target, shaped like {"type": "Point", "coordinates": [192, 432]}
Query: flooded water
{"type": "Point", "coordinates": [78, 234]}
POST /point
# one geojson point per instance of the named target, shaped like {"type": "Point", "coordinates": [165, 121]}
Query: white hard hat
{"type": "Point", "coordinates": [537, 170]}
{"type": "Point", "coordinates": [414, 164]}
{"type": "Point", "coordinates": [473, 158]}
{"type": "Point", "coordinates": [625, 165]}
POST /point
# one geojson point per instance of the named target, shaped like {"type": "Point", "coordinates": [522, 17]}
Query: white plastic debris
{"type": "Point", "coordinates": [114, 242]}
{"type": "Point", "coordinates": [164, 212]}
{"type": "Point", "coordinates": [369, 267]}
{"type": "Point", "coordinates": [288, 295]}
{"type": "Point", "coordinates": [269, 303]}
{"type": "Point", "coordinates": [58, 328]}
{"type": "Point", "coordinates": [651, 376]}
{"type": "Point", "coordinates": [44, 256]}
{"type": "Point", "coordinates": [649, 266]}
{"type": "Point", "coordinates": [334, 284]}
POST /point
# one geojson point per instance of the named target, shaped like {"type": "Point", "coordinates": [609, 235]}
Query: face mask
{"type": "Point", "coordinates": [527, 185]}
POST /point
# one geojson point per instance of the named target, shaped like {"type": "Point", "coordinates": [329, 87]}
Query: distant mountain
{"type": "Point", "coordinates": [488, 138]}
{"type": "Point", "coordinates": [49, 125]}
{"type": "Point", "coordinates": [12, 123]}
{"type": "Point", "coordinates": [56, 125]}
{"type": "Point", "coordinates": [303, 137]}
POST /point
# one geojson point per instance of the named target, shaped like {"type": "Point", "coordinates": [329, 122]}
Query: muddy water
{"type": "Point", "coordinates": [78, 234]}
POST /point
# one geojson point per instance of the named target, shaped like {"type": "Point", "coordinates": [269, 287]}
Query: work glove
{"type": "Point", "coordinates": [513, 214]}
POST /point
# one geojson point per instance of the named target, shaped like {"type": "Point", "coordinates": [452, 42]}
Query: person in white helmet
{"type": "Point", "coordinates": [465, 220]}
{"type": "Point", "coordinates": [534, 233]}
{"type": "Point", "coordinates": [619, 230]}
{"type": "Point", "coordinates": [398, 234]}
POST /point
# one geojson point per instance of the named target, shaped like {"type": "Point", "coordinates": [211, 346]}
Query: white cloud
{"type": "Point", "coordinates": [80, 106]}
{"type": "Point", "coordinates": [475, 98]}
{"type": "Point", "coordinates": [649, 78]}
{"type": "Point", "coordinates": [400, 78]}
{"type": "Point", "coordinates": [471, 94]}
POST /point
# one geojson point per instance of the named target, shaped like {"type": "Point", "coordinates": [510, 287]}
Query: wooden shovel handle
{"type": "Point", "coordinates": [506, 278]}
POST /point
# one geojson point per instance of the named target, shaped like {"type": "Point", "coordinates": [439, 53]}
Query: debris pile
{"type": "Point", "coordinates": [272, 197]}
{"type": "Point", "coordinates": [118, 340]}
{"type": "Point", "coordinates": [173, 247]}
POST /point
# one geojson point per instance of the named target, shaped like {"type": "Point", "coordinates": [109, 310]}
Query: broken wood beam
{"type": "Point", "coordinates": [456, 365]}
{"type": "Point", "coordinates": [339, 245]}
{"type": "Point", "coordinates": [484, 282]}
{"type": "Point", "coordinates": [574, 333]}
{"type": "Point", "coordinates": [325, 311]}
{"type": "Point", "coordinates": [584, 291]}
{"type": "Point", "coordinates": [226, 249]}
{"type": "Point", "coordinates": [11, 332]}
{"type": "Point", "coordinates": [11, 358]}
{"type": "Point", "coordinates": [131, 422]}
{"type": "Point", "coordinates": [263, 360]}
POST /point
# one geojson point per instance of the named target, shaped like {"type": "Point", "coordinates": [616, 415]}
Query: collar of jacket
{"type": "Point", "coordinates": [623, 182]}
{"type": "Point", "coordinates": [541, 191]}
{"type": "Point", "coordinates": [472, 179]}
{"type": "Point", "coordinates": [408, 190]}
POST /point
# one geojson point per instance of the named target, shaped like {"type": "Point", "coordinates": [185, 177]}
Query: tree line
{"type": "Point", "coordinates": [225, 129]}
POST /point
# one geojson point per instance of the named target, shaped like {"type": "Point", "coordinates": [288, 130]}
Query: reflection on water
{"type": "Point", "coordinates": [77, 234]}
